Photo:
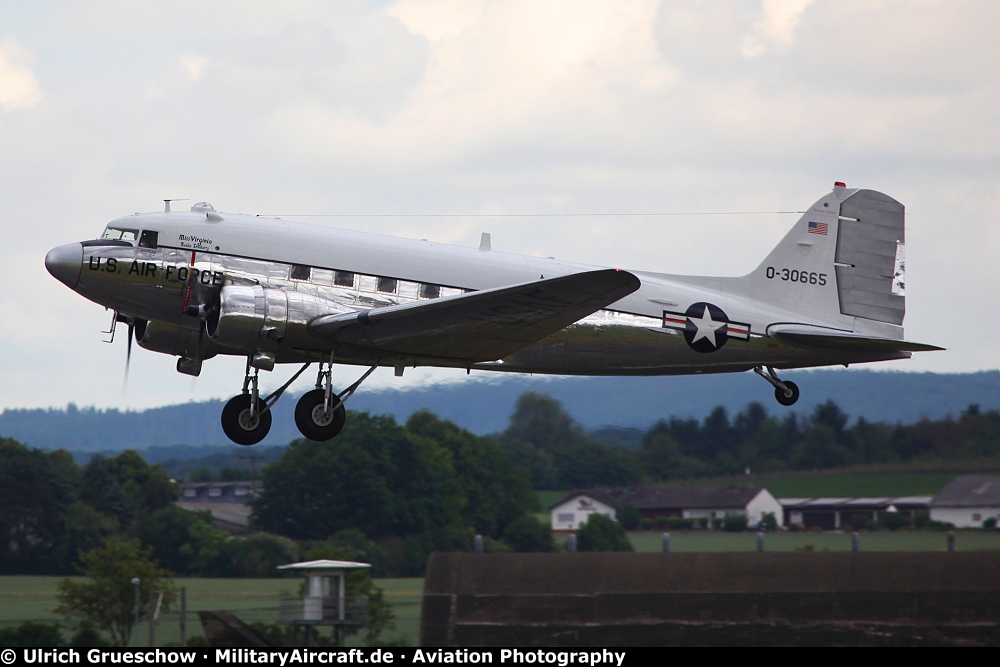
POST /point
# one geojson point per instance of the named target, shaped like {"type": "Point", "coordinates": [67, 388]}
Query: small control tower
{"type": "Point", "coordinates": [324, 601]}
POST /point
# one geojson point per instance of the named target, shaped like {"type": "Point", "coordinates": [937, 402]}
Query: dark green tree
{"type": "Point", "coordinates": [495, 490]}
{"type": "Point", "coordinates": [126, 487]}
{"type": "Point", "coordinates": [528, 535]}
{"type": "Point", "coordinates": [166, 531]}
{"type": "Point", "coordinates": [108, 599]}
{"type": "Point", "coordinates": [258, 555]}
{"type": "Point", "coordinates": [628, 516]}
{"type": "Point", "coordinates": [546, 440]}
{"type": "Point", "coordinates": [602, 533]}
{"type": "Point", "coordinates": [375, 476]}
{"type": "Point", "coordinates": [662, 455]}
{"type": "Point", "coordinates": [37, 495]}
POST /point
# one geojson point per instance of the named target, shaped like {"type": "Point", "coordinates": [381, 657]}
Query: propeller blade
{"type": "Point", "coordinates": [128, 353]}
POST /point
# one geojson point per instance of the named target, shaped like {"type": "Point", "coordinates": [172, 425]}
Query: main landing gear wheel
{"type": "Point", "coordinates": [788, 397]}
{"type": "Point", "coordinates": [240, 425]}
{"type": "Point", "coordinates": [785, 392]}
{"type": "Point", "coordinates": [315, 422]}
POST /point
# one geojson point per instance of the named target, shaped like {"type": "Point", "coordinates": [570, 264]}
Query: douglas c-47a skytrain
{"type": "Point", "coordinates": [199, 283]}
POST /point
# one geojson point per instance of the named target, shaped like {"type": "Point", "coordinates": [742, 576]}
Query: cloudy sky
{"type": "Point", "coordinates": [482, 108]}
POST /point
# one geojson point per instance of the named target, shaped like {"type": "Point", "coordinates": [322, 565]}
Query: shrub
{"type": "Point", "coordinates": [893, 521]}
{"type": "Point", "coordinates": [529, 535]}
{"type": "Point", "coordinates": [628, 516]}
{"type": "Point", "coordinates": [30, 633]}
{"type": "Point", "coordinates": [734, 523]}
{"type": "Point", "coordinates": [602, 533]}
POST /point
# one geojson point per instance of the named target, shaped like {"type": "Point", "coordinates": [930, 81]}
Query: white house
{"type": "Point", "coordinates": [753, 503]}
{"type": "Point", "coordinates": [575, 509]}
{"type": "Point", "coordinates": [967, 501]}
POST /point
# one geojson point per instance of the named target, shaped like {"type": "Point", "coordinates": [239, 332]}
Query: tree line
{"type": "Point", "coordinates": [559, 454]}
{"type": "Point", "coordinates": [390, 493]}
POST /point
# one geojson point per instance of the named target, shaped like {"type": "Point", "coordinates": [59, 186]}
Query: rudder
{"type": "Point", "coordinates": [842, 260]}
{"type": "Point", "coordinates": [870, 260]}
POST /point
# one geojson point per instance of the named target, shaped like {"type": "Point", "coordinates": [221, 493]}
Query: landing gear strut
{"type": "Point", "coordinates": [246, 419]}
{"type": "Point", "coordinates": [785, 392]}
{"type": "Point", "coordinates": [320, 414]}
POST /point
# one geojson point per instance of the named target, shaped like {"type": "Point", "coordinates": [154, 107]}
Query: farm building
{"type": "Point", "coordinates": [226, 501]}
{"type": "Point", "coordinates": [848, 513]}
{"type": "Point", "coordinates": [967, 501]}
{"type": "Point", "coordinates": [577, 506]}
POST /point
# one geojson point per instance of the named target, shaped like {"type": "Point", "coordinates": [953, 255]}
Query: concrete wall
{"type": "Point", "coordinates": [744, 599]}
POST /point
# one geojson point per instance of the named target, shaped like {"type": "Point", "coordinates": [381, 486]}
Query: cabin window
{"type": "Point", "coordinates": [407, 290]}
{"type": "Point", "coordinates": [387, 285]}
{"type": "Point", "coordinates": [300, 272]}
{"type": "Point", "coordinates": [119, 234]}
{"type": "Point", "coordinates": [343, 279]}
{"type": "Point", "coordinates": [430, 291]}
{"type": "Point", "coordinates": [148, 239]}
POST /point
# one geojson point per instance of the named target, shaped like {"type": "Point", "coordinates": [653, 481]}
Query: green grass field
{"type": "Point", "coordinates": [34, 598]}
{"type": "Point", "coordinates": [25, 598]}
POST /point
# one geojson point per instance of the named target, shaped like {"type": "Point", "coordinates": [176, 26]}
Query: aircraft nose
{"type": "Point", "coordinates": [64, 263]}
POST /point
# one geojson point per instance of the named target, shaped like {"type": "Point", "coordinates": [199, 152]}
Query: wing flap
{"type": "Point", "coordinates": [478, 326]}
{"type": "Point", "coordinates": [832, 339]}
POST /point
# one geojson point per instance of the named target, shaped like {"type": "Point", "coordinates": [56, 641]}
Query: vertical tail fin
{"type": "Point", "coordinates": [842, 260]}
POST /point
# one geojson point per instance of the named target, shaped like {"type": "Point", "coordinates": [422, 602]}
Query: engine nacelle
{"type": "Point", "coordinates": [189, 344]}
{"type": "Point", "coordinates": [262, 319]}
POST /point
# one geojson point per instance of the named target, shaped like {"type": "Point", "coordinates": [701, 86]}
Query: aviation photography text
{"type": "Point", "coordinates": [321, 656]}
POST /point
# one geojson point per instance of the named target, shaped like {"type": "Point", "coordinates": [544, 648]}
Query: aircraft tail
{"type": "Point", "coordinates": [842, 264]}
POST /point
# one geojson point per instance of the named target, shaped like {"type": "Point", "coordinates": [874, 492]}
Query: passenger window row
{"type": "Point", "coordinates": [366, 283]}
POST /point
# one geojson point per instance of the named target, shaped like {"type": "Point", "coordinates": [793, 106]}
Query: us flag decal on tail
{"type": "Point", "coordinates": [820, 228]}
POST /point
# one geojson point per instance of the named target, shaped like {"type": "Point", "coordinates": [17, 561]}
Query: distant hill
{"type": "Point", "coordinates": [485, 406]}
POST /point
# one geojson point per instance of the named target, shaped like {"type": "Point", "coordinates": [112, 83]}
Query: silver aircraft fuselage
{"type": "Point", "coordinates": [199, 283]}
{"type": "Point", "coordinates": [154, 266]}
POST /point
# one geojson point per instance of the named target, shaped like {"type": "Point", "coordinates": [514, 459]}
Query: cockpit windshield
{"type": "Point", "coordinates": [120, 234]}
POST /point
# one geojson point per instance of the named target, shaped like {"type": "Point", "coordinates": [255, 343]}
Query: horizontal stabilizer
{"type": "Point", "coordinates": [832, 339]}
{"type": "Point", "coordinates": [478, 326]}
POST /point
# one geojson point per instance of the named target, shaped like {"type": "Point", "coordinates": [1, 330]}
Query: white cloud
{"type": "Point", "coordinates": [499, 107]}
{"type": "Point", "coordinates": [776, 28]}
{"type": "Point", "coordinates": [18, 85]}
{"type": "Point", "coordinates": [194, 65]}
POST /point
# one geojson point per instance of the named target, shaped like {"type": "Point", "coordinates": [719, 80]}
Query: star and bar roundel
{"type": "Point", "coordinates": [705, 326]}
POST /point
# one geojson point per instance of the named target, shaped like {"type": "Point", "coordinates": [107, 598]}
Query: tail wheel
{"type": "Point", "coordinates": [789, 398]}
{"type": "Point", "coordinates": [240, 425]}
{"type": "Point", "coordinates": [315, 422]}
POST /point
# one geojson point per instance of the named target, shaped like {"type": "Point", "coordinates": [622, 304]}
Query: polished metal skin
{"type": "Point", "coordinates": [199, 283]}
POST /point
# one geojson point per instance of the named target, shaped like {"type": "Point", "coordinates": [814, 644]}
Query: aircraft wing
{"type": "Point", "coordinates": [478, 326]}
{"type": "Point", "coordinates": [832, 339]}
